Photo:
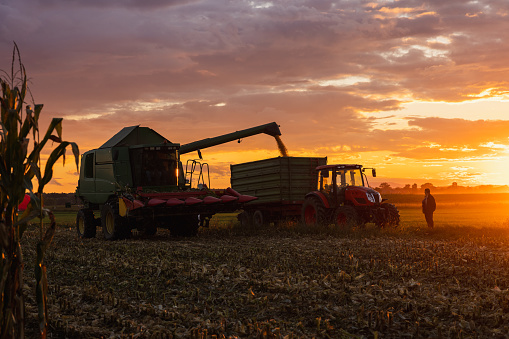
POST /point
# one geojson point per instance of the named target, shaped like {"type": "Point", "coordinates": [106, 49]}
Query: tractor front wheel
{"type": "Point", "coordinates": [313, 212]}
{"type": "Point", "coordinates": [391, 216]}
{"type": "Point", "coordinates": [85, 224]}
{"type": "Point", "coordinates": [345, 217]}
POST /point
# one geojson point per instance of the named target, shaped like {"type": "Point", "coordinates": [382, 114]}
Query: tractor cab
{"type": "Point", "coordinates": [340, 176]}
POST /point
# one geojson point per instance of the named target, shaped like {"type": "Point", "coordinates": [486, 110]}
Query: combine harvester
{"type": "Point", "coordinates": [137, 181]}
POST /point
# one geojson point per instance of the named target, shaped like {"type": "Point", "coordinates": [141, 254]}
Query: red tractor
{"type": "Point", "coordinates": [345, 199]}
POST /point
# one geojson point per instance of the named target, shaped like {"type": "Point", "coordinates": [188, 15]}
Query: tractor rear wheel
{"type": "Point", "coordinates": [345, 217]}
{"type": "Point", "coordinates": [85, 224]}
{"type": "Point", "coordinates": [313, 212]}
{"type": "Point", "coordinates": [112, 223]}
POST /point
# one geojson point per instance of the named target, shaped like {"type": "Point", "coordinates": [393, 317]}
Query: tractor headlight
{"type": "Point", "coordinates": [374, 197]}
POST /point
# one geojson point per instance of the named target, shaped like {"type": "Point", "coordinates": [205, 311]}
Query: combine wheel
{"type": "Point", "coordinates": [313, 212]}
{"type": "Point", "coordinates": [345, 217]}
{"type": "Point", "coordinates": [186, 226]}
{"type": "Point", "coordinates": [85, 224]}
{"type": "Point", "coordinates": [391, 217]}
{"type": "Point", "coordinates": [112, 223]}
{"type": "Point", "coordinates": [150, 227]}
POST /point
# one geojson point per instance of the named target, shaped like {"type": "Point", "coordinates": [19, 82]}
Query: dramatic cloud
{"type": "Point", "coordinates": [326, 71]}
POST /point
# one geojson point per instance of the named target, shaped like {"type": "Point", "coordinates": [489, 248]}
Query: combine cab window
{"type": "Point", "coordinates": [154, 166]}
{"type": "Point", "coordinates": [89, 165]}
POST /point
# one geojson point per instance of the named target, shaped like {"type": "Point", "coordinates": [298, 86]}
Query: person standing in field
{"type": "Point", "coordinates": [428, 207]}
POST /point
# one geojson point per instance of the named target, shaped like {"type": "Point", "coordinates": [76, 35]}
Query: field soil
{"type": "Point", "coordinates": [284, 282]}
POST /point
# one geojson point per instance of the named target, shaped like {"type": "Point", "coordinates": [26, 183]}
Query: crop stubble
{"type": "Point", "coordinates": [275, 284]}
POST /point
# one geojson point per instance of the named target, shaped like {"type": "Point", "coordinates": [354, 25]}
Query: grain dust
{"type": "Point", "coordinates": [282, 148]}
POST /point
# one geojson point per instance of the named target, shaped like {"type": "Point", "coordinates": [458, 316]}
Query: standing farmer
{"type": "Point", "coordinates": [428, 207]}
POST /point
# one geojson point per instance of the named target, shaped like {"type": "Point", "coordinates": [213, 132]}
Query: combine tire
{"type": "Point", "coordinates": [150, 229]}
{"type": "Point", "coordinates": [345, 217]}
{"type": "Point", "coordinates": [111, 222]}
{"type": "Point", "coordinates": [85, 224]}
{"type": "Point", "coordinates": [186, 226]}
{"type": "Point", "coordinates": [391, 217]}
{"type": "Point", "coordinates": [313, 212]}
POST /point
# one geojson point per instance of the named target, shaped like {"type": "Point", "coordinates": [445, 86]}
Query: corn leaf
{"type": "Point", "coordinates": [53, 158]}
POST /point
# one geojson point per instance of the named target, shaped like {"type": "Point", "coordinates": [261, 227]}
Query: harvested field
{"type": "Point", "coordinates": [280, 283]}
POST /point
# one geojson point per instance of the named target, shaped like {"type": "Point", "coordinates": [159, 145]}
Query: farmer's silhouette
{"type": "Point", "coordinates": [428, 207]}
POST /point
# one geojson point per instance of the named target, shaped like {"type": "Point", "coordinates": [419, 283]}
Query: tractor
{"type": "Point", "coordinates": [345, 199]}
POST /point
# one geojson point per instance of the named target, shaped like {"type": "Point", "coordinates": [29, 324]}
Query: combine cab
{"type": "Point", "coordinates": [136, 181]}
{"type": "Point", "coordinates": [345, 199]}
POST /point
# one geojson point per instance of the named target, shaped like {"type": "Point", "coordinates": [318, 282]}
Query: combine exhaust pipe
{"type": "Point", "coordinates": [271, 129]}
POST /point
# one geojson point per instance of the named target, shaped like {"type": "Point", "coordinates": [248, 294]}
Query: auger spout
{"type": "Point", "coordinates": [271, 129]}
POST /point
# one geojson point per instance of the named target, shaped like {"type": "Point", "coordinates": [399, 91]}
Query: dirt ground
{"type": "Point", "coordinates": [276, 283]}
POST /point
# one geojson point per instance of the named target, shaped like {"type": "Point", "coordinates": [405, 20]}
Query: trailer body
{"type": "Point", "coordinates": [280, 184]}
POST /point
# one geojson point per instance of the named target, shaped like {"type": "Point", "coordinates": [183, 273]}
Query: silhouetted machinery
{"type": "Point", "coordinates": [136, 181]}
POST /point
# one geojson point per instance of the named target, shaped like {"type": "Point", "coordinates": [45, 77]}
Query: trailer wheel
{"type": "Point", "coordinates": [259, 219]}
{"type": "Point", "coordinates": [185, 226]}
{"type": "Point", "coordinates": [313, 212]}
{"type": "Point", "coordinates": [391, 216]}
{"type": "Point", "coordinates": [345, 217]}
{"type": "Point", "coordinates": [112, 223]}
{"type": "Point", "coordinates": [85, 224]}
{"type": "Point", "coordinates": [245, 219]}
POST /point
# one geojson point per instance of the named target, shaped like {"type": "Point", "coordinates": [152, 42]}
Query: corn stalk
{"type": "Point", "coordinates": [19, 167]}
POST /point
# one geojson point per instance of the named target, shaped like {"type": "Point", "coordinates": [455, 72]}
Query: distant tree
{"type": "Point", "coordinates": [427, 185]}
{"type": "Point", "coordinates": [414, 187]}
{"type": "Point", "coordinates": [385, 186]}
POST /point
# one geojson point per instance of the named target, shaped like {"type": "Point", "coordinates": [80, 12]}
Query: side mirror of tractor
{"type": "Point", "coordinates": [373, 172]}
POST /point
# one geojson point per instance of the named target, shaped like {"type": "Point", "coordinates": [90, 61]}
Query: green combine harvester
{"type": "Point", "coordinates": [136, 181]}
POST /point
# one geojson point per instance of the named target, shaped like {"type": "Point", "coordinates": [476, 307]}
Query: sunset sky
{"type": "Point", "coordinates": [417, 89]}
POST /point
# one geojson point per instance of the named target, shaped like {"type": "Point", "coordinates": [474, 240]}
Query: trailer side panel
{"type": "Point", "coordinates": [276, 180]}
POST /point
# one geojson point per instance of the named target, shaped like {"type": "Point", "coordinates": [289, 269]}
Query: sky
{"type": "Point", "coordinates": [417, 89]}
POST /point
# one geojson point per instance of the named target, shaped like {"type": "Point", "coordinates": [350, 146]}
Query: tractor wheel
{"type": "Point", "coordinates": [185, 226]}
{"type": "Point", "coordinates": [112, 223]}
{"type": "Point", "coordinates": [313, 212]}
{"type": "Point", "coordinates": [345, 217]}
{"type": "Point", "coordinates": [259, 220]}
{"type": "Point", "coordinates": [85, 224]}
{"type": "Point", "coordinates": [390, 217]}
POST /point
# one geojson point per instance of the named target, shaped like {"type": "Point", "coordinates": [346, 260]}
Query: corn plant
{"type": "Point", "coordinates": [20, 166]}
